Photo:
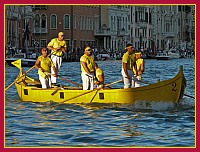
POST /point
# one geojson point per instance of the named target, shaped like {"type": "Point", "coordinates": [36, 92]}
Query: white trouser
{"type": "Point", "coordinates": [88, 81]}
{"type": "Point", "coordinates": [57, 62]}
{"type": "Point", "coordinates": [45, 82]}
{"type": "Point", "coordinates": [128, 83]}
{"type": "Point", "coordinates": [136, 81]}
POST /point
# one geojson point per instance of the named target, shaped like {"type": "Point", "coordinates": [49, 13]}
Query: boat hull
{"type": "Point", "coordinates": [24, 62]}
{"type": "Point", "coordinates": [162, 57]}
{"type": "Point", "coordinates": [166, 91]}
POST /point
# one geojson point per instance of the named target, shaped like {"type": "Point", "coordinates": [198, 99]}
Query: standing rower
{"type": "Point", "coordinates": [57, 46]}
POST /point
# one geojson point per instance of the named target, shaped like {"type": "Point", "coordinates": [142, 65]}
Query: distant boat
{"type": "Point", "coordinates": [162, 55]}
{"type": "Point", "coordinates": [167, 54]}
{"type": "Point", "coordinates": [25, 62]}
{"type": "Point", "coordinates": [103, 57]}
{"type": "Point", "coordinates": [174, 54]}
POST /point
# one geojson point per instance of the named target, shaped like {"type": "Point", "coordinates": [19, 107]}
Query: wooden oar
{"type": "Point", "coordinates": [189, 96]}
{"type": "Point", "coordinates": [78, 95]}
{"type": "Point", "coordinates": [94, 95]}
{"type": "Point", "coordinates": [65, 79]}
{"type": "Point", "coordinates": [19, 77]}
{"type": "Point", "coordinates": [112, 83]}
{"type": "Point", "coordinates": [59, 88]}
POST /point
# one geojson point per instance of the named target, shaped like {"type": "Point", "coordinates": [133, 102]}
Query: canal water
{"type": "Point", "coordinates": [68, 125]}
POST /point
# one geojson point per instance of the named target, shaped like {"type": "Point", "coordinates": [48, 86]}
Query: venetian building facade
{"type": "Point", "coordinates": [113, 30]}
{"type": "Point", "coordinates": [141, 27]}
{"type": "Point", "coordinates": [148, 27]}
{"type": "Point", "coordinates": [174, 27]}
{"type": "Point", "coordinates": [18, 21]}
{"type": "Point", "coordinates": [77, 23]}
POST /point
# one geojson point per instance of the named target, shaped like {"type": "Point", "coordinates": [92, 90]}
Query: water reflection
{"type": "Point", "coordinates": [52, 124]}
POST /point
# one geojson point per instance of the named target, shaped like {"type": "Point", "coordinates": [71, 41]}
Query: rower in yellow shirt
{"type": "Point", "coordinates": [99, 77]}
{"type": "Point", "coordinates": [140, 69]}
{"type": "Point", "coordinates": [87, 69]}
{"type": "Point", "coordinates": [44, 64]}
{"type": "Point", "coordinates": [57, 46]}
{"type": "Point", "coordinates": [128, 62]}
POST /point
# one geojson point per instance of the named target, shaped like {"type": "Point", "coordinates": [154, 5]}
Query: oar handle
{"type": "Point", "coordinates": [70, 81]}
{"type": "Point", "coordinates": [113, 83]}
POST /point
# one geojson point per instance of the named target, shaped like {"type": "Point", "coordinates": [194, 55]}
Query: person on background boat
{"type": "Point", "coordinates": [128, 62]}
{"type": "Point", "coordinates": [88, 68]}
{"type": "Point", "coordinates": [138, 69]}
{"type": "Point", "coordinates": [99, 77]}
{"type": "Point", "coordinates": [44, 65]}
{"type": "Point", "coordinates": [57, 46]}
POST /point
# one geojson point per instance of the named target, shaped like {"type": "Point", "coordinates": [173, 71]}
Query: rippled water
{"type": "Point", "coordinates": [65, 125]}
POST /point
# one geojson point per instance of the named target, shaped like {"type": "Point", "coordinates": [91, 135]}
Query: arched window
{"type": "Point", "coordinates": [53, 21]}
{"type": "Point", "coordinates": [44, 21]}
{"type": "Point", "coordinates": [37, 23]}
{"type": "Point", "coordinates": [66, 21]}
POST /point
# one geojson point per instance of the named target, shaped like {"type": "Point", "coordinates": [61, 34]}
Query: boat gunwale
{"type": "Point", "coordinates": [142, 88]}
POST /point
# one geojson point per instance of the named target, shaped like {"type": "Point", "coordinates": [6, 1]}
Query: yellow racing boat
{"type": "Point", "coordinates": [171, 90]}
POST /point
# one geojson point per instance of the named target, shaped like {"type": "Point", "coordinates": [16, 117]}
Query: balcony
{"type": "Point", "coordinates": [169, 34]}
{"type": "Point", "coordinates": [40, 30]}
{"type": "Point", "coordinates": [102, 32]}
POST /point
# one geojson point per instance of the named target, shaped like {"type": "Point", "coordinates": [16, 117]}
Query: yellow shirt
{"type": "Point", "coordinates": [129, 60]}
{"type": "Point", "coordinates": [89, 62]}
{"type": "Point", "coordinates": [55, 43]}
{"type": "Point", "coordinates": [46, 64]}
{"type": "Point", "coordinates": [138, 63]}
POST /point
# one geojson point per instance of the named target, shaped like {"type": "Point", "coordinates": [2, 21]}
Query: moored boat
{"type": "Point", "coordinates": [162, 55]}
{"type": "Point", "coordinates": [25, 62]}
{"type": "Point", "coordinates": [168, 54]}
{"type": "Point", "coordinates": [103, 57]}
{"type": "Point", "coordinates": [171, 90]}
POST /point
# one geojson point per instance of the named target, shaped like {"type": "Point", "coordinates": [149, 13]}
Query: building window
{"type": "Point", "coordinates": [87, 23]}
{"type": "Point", "coordinates": [74, 22]}
{"type": "Point", "coordinates": [43, 43]}
{"type": "Point", "coordinates": [167, 27]}
{"type": "Point", "coordinates": [68, 42]}
{"type": "Point", "coordinates": [81, 22]}
{"type": "Point", "coordinates": [37, 23]}
{"type": "Point", "coordinates": [53, 21]}
{"type": "Point", "coordinates": [66, 22]}
{"type": "Point", "coordinates": [44, 21]}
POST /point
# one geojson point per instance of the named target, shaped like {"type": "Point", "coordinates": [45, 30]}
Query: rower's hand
{"type": "Point", "coordinates": [55, 75]}
{"type": "Point", "coordinates": [41, 69]}
{"type": "Point", "coordinates": [128, 77]}
{"type": "Point", "coordinates": [139, 72]}
{"type": "Point", "coordinates": [59, 47]}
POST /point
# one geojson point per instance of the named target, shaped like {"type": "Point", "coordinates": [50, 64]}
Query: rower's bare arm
{"type": "Point", "coordinates": [125, 69]}
{"type": "Point", "coordinates": [100, 78]}
{"type": "Point", "coordinates": [141, 68]}
{"type": "Point", "coordinates": [37, 64]}
{"type": "Point", "coordinates": [64, 49]}
{"type": "Point", "coordinates": [55, 72]}
{"type": "Point", "coordinates": [85, 67]}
